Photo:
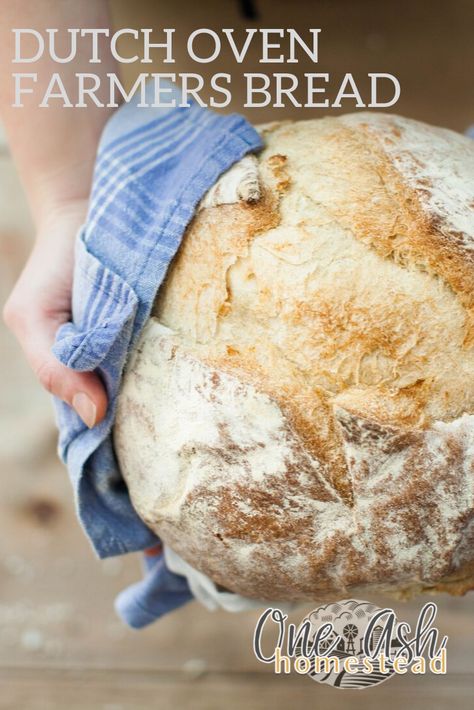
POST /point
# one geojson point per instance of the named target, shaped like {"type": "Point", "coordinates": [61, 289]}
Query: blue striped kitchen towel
{"type": "Point", "coordinates": [153, 166]}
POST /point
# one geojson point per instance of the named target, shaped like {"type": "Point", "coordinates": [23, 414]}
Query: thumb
{"type": "Point", "coordinates": [84, 391]}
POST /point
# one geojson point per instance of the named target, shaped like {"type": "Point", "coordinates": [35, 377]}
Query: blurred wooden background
{"type": "Point", "coordinates": [61, 644]}
{"type": "Point", "coordinates": [426, 44]}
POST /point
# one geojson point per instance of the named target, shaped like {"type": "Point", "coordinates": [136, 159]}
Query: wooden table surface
{"type": "Point", "coordinates": [61, 645]}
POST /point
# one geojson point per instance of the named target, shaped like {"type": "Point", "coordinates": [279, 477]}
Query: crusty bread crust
{"type": "Point", "coordinates": [297, 419]}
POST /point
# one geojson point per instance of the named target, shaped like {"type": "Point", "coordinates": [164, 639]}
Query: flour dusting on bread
{"type": "Point", "coordinates": [297, 420]}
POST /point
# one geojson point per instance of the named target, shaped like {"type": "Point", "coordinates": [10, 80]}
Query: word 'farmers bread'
{"type": "Point", "coordinates": [297, 420]}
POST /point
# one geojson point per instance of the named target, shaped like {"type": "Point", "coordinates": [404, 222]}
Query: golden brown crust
{"type": "Point", "coordinates": [410, 232]}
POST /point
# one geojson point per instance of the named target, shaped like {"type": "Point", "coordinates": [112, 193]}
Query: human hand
{"type": "Point", "coordinates": [41, 301]}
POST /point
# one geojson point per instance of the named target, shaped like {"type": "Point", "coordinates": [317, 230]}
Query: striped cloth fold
{"type": "Point", "coordinates": [153, 166]}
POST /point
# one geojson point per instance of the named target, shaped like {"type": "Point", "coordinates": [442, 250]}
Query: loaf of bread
{"type": "Point", "coordinates": [297, 419]}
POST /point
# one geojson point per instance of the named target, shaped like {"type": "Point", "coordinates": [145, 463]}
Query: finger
{"type": "Point", "coordinates": [84, 391]}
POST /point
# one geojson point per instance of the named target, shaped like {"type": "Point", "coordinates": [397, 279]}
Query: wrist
{"type": "Point", "coordinates": [61, 218]}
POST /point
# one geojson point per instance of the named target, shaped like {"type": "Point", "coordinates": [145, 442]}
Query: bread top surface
{"type": "Point", "coordinates": [350, 283]}
{"type": "Point", "coordinates": [309, 408]}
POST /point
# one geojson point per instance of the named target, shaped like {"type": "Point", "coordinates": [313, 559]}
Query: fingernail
{"type": "Point", "coordinates": [86, 408]}
{"type": "Point", "coordinates": [152, 551]}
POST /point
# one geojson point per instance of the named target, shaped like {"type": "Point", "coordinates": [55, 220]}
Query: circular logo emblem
{"type": "Point", "coordinates": [350, 620]}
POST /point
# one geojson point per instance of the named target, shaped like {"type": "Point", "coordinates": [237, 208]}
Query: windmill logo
{"type": "Point", "coordinates": [352, 643]}
{"type": "Point", "coordinates": [350, 632]}
{"type": "Point", "coordinates": [350, 619]}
